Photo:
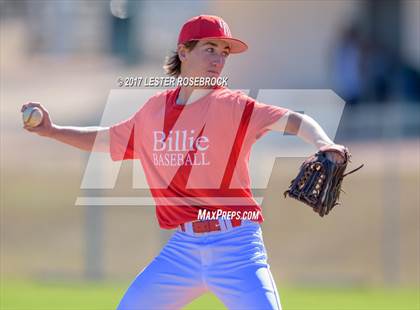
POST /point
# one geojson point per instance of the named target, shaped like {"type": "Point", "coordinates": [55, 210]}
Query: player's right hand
{"type": "Point", "coordinates": [46, 127]}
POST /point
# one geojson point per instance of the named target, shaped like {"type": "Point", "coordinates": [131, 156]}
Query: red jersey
{"type": "Point", "coordinates": [195, 156]}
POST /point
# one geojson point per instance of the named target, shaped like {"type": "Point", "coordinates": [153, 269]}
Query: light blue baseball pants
{"type": "Point", "coordinates": [231, 264]}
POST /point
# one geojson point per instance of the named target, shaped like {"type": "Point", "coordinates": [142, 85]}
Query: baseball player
{"type": "Point", "coordinates": [194, 144]}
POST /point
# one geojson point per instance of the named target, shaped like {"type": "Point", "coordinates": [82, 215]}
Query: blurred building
{"type": "Point", "coordinates": [290, 42]}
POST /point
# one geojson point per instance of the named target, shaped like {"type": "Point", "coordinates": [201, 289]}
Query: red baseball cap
{"type": "Point", "coordinates": [210, 27]}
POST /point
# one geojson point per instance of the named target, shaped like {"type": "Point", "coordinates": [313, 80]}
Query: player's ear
{"type": "Point", "coordinates": [182, 52]}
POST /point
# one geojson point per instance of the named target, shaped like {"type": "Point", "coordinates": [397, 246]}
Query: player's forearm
{"type": "Point", "coordinates": [303, 126]}
{"type": "Point", "coordinates": [311, 132]}
{"type": "Point", "coordinates": [83, 137]}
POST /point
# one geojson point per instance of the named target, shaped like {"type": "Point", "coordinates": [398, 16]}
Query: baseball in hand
{"type": "Point", "coordinates": [32, 116]}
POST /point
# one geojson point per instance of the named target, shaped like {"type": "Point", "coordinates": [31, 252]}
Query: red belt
{"type": "Point", "coordinates": [210, 225]}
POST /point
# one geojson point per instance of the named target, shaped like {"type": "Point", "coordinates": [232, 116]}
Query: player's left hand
{"type": "Point", "coordinates": [337, 155]}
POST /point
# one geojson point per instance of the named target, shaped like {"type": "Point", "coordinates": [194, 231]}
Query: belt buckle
{"type": "Point", "coordinates": [205, 226]}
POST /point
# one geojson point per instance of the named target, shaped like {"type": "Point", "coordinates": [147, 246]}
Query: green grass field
{"type": "Point", "coordinates": [24, 295]}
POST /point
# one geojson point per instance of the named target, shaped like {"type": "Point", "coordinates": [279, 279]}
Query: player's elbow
{"type": "Point", "coordinates": [294, 121]}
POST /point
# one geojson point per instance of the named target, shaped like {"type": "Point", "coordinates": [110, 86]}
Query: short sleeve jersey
{"type": "Point", "coordinates": [195, 156]}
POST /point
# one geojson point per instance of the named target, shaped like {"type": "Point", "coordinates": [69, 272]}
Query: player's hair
{"type": "Point", "coordinates": [172, 64]}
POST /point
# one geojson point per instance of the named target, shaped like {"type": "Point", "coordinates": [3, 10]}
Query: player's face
{"type": "Point", "coordinates": [206, 59]}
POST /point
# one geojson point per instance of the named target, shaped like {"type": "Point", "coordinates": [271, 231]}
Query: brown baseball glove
{"type": "Point", "coordinates": [318, 183]}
